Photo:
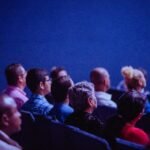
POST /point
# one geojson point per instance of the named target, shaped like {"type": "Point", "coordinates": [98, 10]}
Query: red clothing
{"type": "Point", "coordinates": [131, 133]}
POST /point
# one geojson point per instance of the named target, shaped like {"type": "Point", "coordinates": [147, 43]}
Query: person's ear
{"type": "Point", "coordinates": [20, 78]}
{"type": "Point", "coordinates": [140, 83]}
{"type": "Point", "coordinates": [5, 120]}
{"type": "Point", "coordinates": [90, 102]}
{"type": "Point", "coordinates": [41, 85]}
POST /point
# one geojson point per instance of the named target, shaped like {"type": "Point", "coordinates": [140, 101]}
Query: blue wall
{"type": "Point", "coordinates": [76, 34]}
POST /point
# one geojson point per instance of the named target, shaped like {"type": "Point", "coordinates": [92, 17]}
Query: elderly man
{"type": "Point", "coordinates": [10, 122]}
{"type": "Point", "coordinates": [100, 78]}
{"type": "Point", "coordinates": [16, 79]}
{"type": "Point", "coordinates": [83, 100]}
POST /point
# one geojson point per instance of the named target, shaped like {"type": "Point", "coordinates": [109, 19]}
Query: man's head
{"type": "Point", "coordinates": [57, 72]}
{"type": "Point", "coordinates": [100, 78]}
{"type": "Point", "coordinates": [38, 81]}
{"type": "Point", "coordinates": [130, 105]}
{"type": "Point", "coordinates": [16, 75]}
{"type": "Point", "coordinates": [10, 121]}
{"type": "Point", "coordinates": [59, 88]}
{"type": "Point", "coordinates": [82, 97]}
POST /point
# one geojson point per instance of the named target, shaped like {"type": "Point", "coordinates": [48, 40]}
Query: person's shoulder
{"type": "Point", "coordinates": [5, 146]}
{"type": "Point", "coordinates": [137, 135]}
{"type": "Point", "coordinates": [137, 131]}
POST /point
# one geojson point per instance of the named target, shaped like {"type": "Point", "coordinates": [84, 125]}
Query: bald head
{"type": "Point", "coordinates": [10, 121]}
{"type": "Point", "coordinates": [5, 104]}
{"type": "Point", "coordinates": [100, 78]}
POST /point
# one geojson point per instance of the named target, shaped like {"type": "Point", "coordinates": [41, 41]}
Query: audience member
{"type": "Point", "coordinates": [134, 79]}
{"type": "Point", "coordinates": [130, 110]}
{"type": "Point", "coordinates": [55, 73]}
{"type": "Point", "coordinates": [39, 83]}
{"type": "Point", "coordinates": [126, 73]}
{"type": "Point", "coordinates": [59, 90]}
{"type": "Point", "coordinates": [16, 79]}
{"type": "Point", "coordinates": [83, 100]}
{"type": "Point", "coordinates": [101, 80]}
{"type": "Point", "coordinates": [10, 123]}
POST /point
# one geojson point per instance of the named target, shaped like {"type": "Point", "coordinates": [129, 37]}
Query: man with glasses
{"type": "Point", "coordinates": [39, 83]}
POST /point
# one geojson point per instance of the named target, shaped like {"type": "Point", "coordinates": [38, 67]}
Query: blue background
{"type": "Point", "coordinates": [76, 34]}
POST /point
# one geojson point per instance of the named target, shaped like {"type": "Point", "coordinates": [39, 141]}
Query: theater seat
{"type": "Point", "coordinates": [82, 140]}
{"type": "Point", "coordinates": [26, 136]}
{"type": "Point", "coordinates": [144, 123]}
{"type": "Point", "coordinates": [104, 112]}
{"type": "Point", "coordinates": [127, 145]}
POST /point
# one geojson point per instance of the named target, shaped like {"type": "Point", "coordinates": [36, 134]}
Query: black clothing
{"type": "Point", "coordinates": [85, 121]}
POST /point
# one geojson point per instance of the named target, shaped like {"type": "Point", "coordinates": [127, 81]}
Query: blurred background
{"type": "Point", "coordinates": [76, 34]}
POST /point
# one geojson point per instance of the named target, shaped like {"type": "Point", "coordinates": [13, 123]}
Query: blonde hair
{"type": "Point", "coordinates": [134, 76]}
{"type": "Point", "coordinates": [127, 72]}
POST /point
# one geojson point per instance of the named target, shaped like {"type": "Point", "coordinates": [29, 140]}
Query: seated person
{"type": "Point", "coordinates": [16, 79]}
{"type": "Point", "coordinates": [59, 90]}
{"type": "Point", "coordinates": [83, 100]}
{"type": "Point", "coordinates": [101, 80]}
{"type": "Point", "coordinates": [10, 122]}
{"type": "Point", "coordinates": [55, 73]}
{"type": "Point", "coordinates": [39, 84]}
{"type": "Point", "coordinates": [126, 72]}
{"type": "Point", "coordinates": [136, 81]}
{"type": "Point", "coordinates": [122, 125]}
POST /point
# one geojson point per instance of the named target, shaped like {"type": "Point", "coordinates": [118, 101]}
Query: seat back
{"type": "Point", "coordinates": [116, 94]}
{"type": "Point", "coordinates": [127, 145]}
{"type": "Point", "coordinates": [26, 136]}
{"type": "Point", "coordinates": [104, 112]}
{"type": "Point", "coordinates": [79, 140]}
{"type": "Point", "coordinates": [144, 123]}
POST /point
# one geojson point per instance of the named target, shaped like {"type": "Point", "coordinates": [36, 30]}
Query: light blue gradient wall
{"type": "Point", "coordinates": [76, 34]}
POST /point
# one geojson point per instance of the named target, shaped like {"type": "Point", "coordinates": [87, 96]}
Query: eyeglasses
{"type": "Point", "coordinates": [47, 80]}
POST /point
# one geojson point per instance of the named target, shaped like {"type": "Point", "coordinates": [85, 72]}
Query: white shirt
{"type": "Point", "coordinates": [104, 99]}
{"type": "Point", "coordinates": [6, 143]}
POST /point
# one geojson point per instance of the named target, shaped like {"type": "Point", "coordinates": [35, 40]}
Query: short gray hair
{"type": "Point", "coordinates": [79, 94]}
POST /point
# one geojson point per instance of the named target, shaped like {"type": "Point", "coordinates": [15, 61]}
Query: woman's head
{"type": "Point", "coordinates": [134, 78]}
{"type": "Point", "coordinates": [130, 105]}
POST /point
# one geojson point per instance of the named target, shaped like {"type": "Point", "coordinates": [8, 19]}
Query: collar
{"type": "Point", "coordinates": [4, 137]}
{"type": "Point", "coordinates": [103, 95]}
{"type": "Point", "coordinates": [37, 96]}
{"type": "Point", "coordinates": [16, 88]}
{"type": "Point", "coordinates": [3, 134]}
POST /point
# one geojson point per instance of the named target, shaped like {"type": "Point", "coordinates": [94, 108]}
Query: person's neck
{"type": "Point", "coordinates": [20, 86]}
{"type": "Point", "coordinates": [39, 93]}
{"type": "Point", "coordinates": [6, 131]}
{"type": "Point", "coordinates": [100, 89]}
{"type": "Point", "coordinates": [89, 110]}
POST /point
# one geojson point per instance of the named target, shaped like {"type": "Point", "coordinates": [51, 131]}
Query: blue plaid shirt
{"type": "Point", "coordinates": [37, 104]}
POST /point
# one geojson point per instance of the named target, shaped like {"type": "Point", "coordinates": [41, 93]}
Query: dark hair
{"type": "Point", "coordinates": [54, 74]}
{"type": "Point", "coordinates": [59, 88]}
{"type": "Point", "coordinates": [12, 72]}
{"type": "Point", "coordinates": [34, 77]}
{"type": "Point", "coordinates": [130, 105]}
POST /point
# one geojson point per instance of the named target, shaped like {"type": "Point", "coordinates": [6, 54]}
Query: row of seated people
{"type": "Point", "coordinates": [83, 98]}
{"type": "Point", "coordinates": [39, 132]}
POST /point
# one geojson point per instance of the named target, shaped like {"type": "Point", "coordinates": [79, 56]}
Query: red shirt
{"type": "Point", "coordinates": [131, 133]}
